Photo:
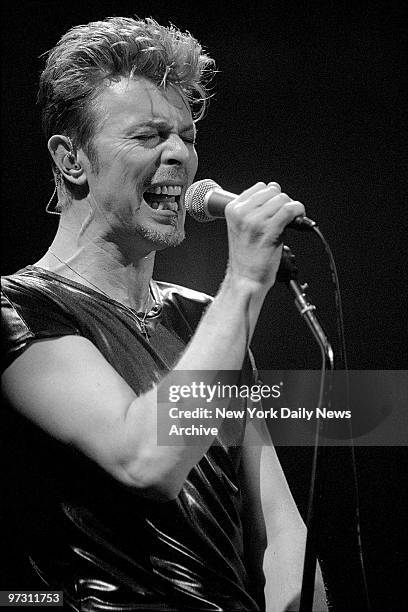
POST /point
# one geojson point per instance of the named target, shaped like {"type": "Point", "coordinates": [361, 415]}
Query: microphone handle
{"type": "Point", "coordinates": [215, 207]}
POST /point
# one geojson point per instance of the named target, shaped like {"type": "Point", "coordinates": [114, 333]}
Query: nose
{"type": "Point", "coordinates": [175, 151]}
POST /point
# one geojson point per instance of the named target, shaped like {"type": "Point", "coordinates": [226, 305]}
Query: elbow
{"type": "Point", "coordinates": [150, 480]}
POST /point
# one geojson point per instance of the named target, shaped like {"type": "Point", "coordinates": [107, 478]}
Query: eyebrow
{"type": "Point", "coordinates": [158, 124]}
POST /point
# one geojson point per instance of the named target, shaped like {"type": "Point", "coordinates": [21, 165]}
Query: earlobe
{"type": "Point", "coordinates": [65, 158]}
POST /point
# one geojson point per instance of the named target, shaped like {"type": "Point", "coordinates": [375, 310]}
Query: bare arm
{"type": "Point", "coordinates": [274, 515]}
{"type": "Point", "coordinates": [68, 388]}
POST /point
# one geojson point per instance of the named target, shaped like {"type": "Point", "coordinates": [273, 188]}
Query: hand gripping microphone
{"type": "Point", "coordinates": [206, 201]}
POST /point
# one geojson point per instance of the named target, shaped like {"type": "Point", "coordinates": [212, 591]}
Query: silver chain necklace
{"type": "Point", "coordinates": [140, 319]}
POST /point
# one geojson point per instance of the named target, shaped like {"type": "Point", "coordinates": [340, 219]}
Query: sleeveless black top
{"type": "Point", "coordinates": [86, 534]}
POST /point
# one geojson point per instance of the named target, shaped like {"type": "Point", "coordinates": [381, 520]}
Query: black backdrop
{"type": "Point", "coordinates": [308, 94]}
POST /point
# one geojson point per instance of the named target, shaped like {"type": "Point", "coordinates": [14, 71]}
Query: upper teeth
{"type": "Point", "coordinates": [173, 190]}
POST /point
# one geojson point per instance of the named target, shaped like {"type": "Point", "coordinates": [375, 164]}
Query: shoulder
{"type": "Point", "coordinates": [15, 283]}
{"type": "Point", "coordinates": [31, 290]}
{"type": "Point", "coordinates": [19, 295]}
{"type": "Point", "coordinates": [29, 283]}
{"type": "Point", "coordinates": [31, 309]}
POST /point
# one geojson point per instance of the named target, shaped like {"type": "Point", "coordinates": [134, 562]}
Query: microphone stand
{"type": "Point", "coordinates": [288, 274]}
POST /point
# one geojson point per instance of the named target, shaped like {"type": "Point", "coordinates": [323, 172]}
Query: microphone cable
{"type": "Point", "coordinates": [344, 366]}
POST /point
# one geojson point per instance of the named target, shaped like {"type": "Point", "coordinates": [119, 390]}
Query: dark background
{"type": "Point", "coordinates": [308, 94]}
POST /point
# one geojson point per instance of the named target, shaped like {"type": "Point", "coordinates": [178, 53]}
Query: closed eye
{"type": "Point", "coordinates": [151, 140]}
{"type": "Point", "coordinates": [155, 138]}
{"type": "Point", "coordinates": [146, 136]}
{"type": "Point", "coordinates": [189, 139]}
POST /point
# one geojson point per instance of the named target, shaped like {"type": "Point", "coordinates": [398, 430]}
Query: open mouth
{"type": "Point", "coordinates": [163, 197]}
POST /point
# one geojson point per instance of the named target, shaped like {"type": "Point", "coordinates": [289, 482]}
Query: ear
{"type": "Point", "coordinates": [66, 159]}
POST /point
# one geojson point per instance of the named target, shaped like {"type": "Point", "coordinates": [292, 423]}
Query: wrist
{"type": "Point", "coordinates": [244, 286]}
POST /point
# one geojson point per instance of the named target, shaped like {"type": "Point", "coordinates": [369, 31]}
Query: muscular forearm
{"type": "Point", "coordinates": [223, 336]}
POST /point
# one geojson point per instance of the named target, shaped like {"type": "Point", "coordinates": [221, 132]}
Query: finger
{"type": "Point", "coordinates": [274, 184]}
{"type": "Point", "coordinates": [285, 215]}
{"type": "Point", "coordinates": [269, 208]}
{"type": "Point", "coordinates": [250, 191]}
{"type": "Point", "coordinates": [257, 199]}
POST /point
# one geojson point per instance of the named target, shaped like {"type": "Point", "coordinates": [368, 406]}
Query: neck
{"type": "Point", "coordinates": [80, 254]}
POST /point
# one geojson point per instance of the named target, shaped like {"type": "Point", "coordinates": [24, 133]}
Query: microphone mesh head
{"type": "Point", "coordinates": [195, 199]}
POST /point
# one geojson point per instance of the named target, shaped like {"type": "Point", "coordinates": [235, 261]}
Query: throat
{"type": "Point", "coordinates": [128, 284]}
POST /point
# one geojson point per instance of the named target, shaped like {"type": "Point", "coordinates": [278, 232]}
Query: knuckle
{"type": "Point", "coordinates": [254, 189]}
{"type": "Point", "coordinates": [298, 204]}
{"type": "Point", "coordinates": [230, 210]}
{"type": "Point", "coordinates": [233, 212]}
{"type": "Point", "coordinates": [295, 208]}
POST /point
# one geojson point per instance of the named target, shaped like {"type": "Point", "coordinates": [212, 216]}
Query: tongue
{"type": "Point", "coordinates": [161, 200]}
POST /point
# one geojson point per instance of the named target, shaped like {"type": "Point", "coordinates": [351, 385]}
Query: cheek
{"type": "Point", "coordinates": [120, 177]}
{"type": "Point", "coordinates": [125, 177]}
{"type": "Point", "coordinates": [116, 162]}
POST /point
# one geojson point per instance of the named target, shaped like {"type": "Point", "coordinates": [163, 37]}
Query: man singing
{"type": "Point", "coordinates": [113, 519]}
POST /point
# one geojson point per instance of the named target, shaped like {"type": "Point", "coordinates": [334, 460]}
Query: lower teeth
{"type": "Point", "coordinates": [159, 206]}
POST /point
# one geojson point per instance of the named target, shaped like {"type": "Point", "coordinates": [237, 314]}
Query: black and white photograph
{"type": "Point", "coordinates": [204, 306]}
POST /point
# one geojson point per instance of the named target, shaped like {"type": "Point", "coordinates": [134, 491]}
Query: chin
{"type": "Point", "coordinates": [162, 239]}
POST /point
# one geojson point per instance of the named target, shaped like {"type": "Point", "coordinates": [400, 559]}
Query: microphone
{"type": "Point", "coordinates": [206, 201]}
